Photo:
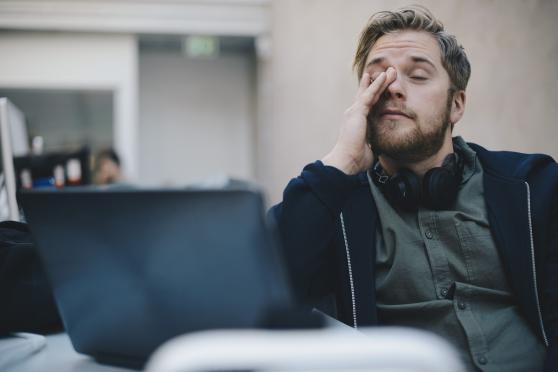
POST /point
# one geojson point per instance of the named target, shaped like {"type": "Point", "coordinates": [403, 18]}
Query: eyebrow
{"type": "Point", "coordinates": [415, 59]}
{"type": "Point", "coordinates": [418, 59]}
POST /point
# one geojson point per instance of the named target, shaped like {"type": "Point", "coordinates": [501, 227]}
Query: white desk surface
{"type": "Point", "coordinates": [59, 355]}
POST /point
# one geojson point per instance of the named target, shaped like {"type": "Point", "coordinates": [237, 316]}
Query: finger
{"type": "Point", "coordinates": [391, 75]}
{"type": "Point", "coordinates": [374, 89]}
{"type": "Point", "coordinates": [364, 83]}
{"type": "Point", "coordinates": [372, 94]}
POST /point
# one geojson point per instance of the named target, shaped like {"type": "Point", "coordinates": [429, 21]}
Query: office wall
{"type": "Point", "coordinates": [512, 94]}
{"type": "Point", "coordinates": [196, 118]}
{"type": "Point", "coordinates": [78, 61]}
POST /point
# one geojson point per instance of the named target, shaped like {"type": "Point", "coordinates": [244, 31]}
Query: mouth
{"type": "Point", "coordinates": [393, 114]}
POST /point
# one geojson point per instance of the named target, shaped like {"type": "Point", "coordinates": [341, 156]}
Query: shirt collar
{"type": "Point", "coordinates": [469, 157]}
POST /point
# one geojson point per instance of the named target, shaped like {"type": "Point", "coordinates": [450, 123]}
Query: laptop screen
{"type": "Point", "coordinates": [133, 268]}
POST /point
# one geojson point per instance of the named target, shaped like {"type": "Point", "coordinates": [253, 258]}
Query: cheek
{"type": "Point", "coordinates": [427, 103]}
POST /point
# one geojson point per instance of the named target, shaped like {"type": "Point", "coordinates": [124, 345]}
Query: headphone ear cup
{"type": "Point", "coordinates": [404, 189]}
{"type": "Point", "coordinates": [439, 188]}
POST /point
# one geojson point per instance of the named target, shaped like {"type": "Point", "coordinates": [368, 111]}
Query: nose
{"type": "Point", "coordinates": [396, 89]}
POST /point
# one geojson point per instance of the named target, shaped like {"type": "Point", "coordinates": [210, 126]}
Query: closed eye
{"type": "Point", "coordinates": [419, 77]}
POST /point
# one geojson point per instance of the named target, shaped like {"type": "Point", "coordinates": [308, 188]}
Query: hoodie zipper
{"type": "Point", "coordinates": [534, 266]}
{"type": "Point", "coordinates": [353, 297]}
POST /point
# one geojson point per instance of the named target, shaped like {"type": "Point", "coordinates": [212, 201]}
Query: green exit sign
{"type": "Point", "coordinates": [201, 46]}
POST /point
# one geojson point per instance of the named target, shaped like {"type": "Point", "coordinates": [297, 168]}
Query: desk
{"type": "Point", "coordinates": [59, 355]}
{"type": "Point", "coordinates": [338, 348]}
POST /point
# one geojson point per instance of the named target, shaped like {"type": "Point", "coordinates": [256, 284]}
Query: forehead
{"type": "Point", "coordinates": [401, 44]}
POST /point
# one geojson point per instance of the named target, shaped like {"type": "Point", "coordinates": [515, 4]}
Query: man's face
{"type": "Point", "coordinates": [410, 121]}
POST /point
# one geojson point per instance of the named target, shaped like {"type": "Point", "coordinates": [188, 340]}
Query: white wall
{"type": "Point", "coordinates": [79, 61]}
{"type": "Point", "coordinates": [512, 94]}
{"type": "Point", "coordinates": [196, 118]}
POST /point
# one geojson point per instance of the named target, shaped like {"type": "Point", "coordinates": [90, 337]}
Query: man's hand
{"type": "Point", "coordinates": [352, 154]}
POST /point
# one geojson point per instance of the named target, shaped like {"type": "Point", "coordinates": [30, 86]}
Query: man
{"type": "Point", "coordinates": [406, 225]}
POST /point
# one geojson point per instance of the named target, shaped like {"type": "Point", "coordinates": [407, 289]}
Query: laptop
{"type": "Point", "coordinates": [131, 269]}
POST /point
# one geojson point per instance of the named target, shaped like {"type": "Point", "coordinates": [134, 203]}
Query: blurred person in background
{"type": "Point", "coordinates": [406, 225]}
{"type": "Point", "coordinates": [107, 168]}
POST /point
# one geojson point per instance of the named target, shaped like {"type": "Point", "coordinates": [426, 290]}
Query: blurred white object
{"type": "Point", "coordinates": [13, 141]}
{"type": "Point", "coordinates": [18, 130]}
{"type": "Point", "coordinates": [4, 210]}
{"type": "Point", "coordinates": [73, 170]}
{"type": "Point", "coordinates": [37, 145]}
{"type": "Point", "coordinates": [26, 179]}
{"type": "Point", "coordinates": [59, 178]}
{"type": "Point", "coordinates": [374, 349]}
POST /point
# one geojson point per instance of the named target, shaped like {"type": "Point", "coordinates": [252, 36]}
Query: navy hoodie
{"type": "Point", "coordinates": [327, 222]}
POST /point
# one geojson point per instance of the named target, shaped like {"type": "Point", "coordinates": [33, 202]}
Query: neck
{"type": "Point", "coordinates": [391, 166]}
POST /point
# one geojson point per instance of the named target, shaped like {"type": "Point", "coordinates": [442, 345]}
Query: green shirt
{"type": "Point", "coordinates": [441, 271]}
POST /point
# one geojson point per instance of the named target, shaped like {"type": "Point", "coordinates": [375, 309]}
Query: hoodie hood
{"type": "Point", "coordinates": [509, 164]}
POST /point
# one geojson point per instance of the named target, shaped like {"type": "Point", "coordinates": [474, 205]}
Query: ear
{"type": "Point", "coordinates": [457, 106]}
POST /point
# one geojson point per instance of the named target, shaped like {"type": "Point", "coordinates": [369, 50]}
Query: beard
{"type": "Point", "coordinates": [421, 142]}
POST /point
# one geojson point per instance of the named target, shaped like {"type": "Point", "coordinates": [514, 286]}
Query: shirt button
{"type": "Point", "coordinates": [444, 292]}
{"type": "Point", "coordinates": [482, 360]}
{"type": "Point", "coordinates": [462, 305]}
{"type": "Point", "coordinates": [428, 234]}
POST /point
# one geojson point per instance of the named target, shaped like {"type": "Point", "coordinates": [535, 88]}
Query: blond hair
{"type": "Point", "coordinates": [416, 18]}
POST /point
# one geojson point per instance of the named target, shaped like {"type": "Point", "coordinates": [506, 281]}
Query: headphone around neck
{"type": "Point", "coordinates": [437, 190]}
